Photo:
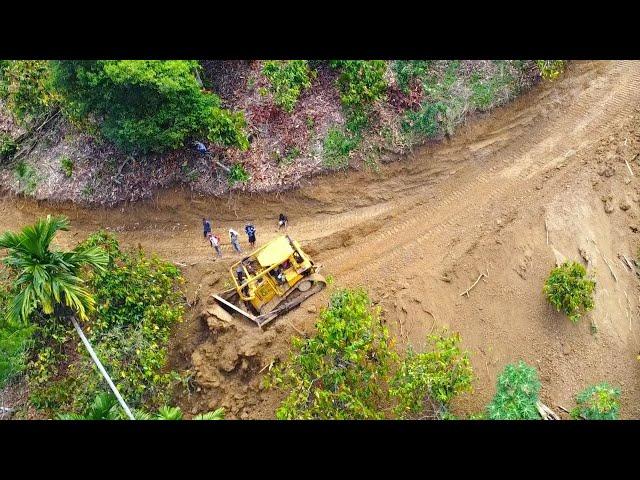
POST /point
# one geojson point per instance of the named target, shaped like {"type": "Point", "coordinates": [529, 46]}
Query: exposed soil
{"type": "Point", "coordinates": [419, 232]}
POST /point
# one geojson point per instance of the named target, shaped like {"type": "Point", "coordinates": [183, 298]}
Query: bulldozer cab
{"type": "Point", "coordinates": [270, 271]}
{"type": "Point", "coordinates": [271, 280]}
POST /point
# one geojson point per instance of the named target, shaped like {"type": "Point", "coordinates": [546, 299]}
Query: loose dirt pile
{"type": "Point", "coordinates": [546, 178]}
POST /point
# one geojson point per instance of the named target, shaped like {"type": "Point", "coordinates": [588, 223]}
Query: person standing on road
{"type": "Point", "coordinates": [206, 227]}
{"type": "Point", "coordinates": [251, 233]}
{"type": "Point", "coordinates": [283, 221]}
{"type": "Point", "coordinates": [215, 243]}
{"type": "Point", "coordinates": [233, 235]}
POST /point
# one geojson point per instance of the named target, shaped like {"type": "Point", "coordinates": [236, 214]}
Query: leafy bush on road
{"type": "Point", "coordinates": [570, 290]}
{"type": "Point", "coordinates": [349, 369]}
{"type": "Point", "coordinates": [436, 375]}
{"type": "Point", "coordinates": [516, 394]}
{"type": "Point", "coordinates": [598, 402]}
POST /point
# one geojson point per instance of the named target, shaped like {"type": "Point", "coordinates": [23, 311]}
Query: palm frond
{"type": "Point", "coordinates": [217, 414]}
{"type": "Point", "coordinates": [169, 413]}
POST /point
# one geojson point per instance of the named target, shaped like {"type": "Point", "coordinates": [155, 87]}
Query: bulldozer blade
{"type": "Point", "coordinates": [225, 306]}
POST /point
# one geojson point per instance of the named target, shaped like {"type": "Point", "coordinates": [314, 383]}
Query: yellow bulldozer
{"type": "Point", "coordinates": [269, 282]}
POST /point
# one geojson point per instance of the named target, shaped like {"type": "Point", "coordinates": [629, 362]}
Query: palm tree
{"type": "Point", "coordinates": [49, 279]}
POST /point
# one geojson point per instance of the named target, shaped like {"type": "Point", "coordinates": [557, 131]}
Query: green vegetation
{"type": "Point", "coordinates": [550, 69]}
{"type": "Point", "coordinates": [349, 369]}
{"type": "Point", "coordinates": [516, 394]}
{"type": "Point", "coordinates": [570, 290]}
{"type": "Point", "coordinates": [597, 402]}
{"type": "Point", "coordinates": [438, 375]}
{"type": "Point", "coordinates": [104, 407]}
{"type": "Point", "coordinates": [67, 166]}
{"type": "Point", "coordinates": [338, 144]}
{"type": "Point", "coordinates": [361, 82]}
{"type": "Point", "coordinates": [408, 70]}
{"type": "Point", "coordinates": [288, 79]}
{"type": "Point", "coordinates": [14, 337]}
{"type": "Point", "coordinates": [25, 87]}
{"type": "Point", "coordinates": [137, 301]}
{"type": "Point", "coordinates": [145, 106]}
{"type": "Point", "coordinates": [425, 122]}
{"type": "Point", "coordinates": [485, 92]}
{"type": "Point", "coordinates": [337, 373]}
{"type": "Point", "coordinates": [8, 146]}
{"type": "Point", "coordinates": [26, 176]}
{"type": "Point", "coordinates": [237, 174]}
{"type": "Point", "coordinates": [126, 301]}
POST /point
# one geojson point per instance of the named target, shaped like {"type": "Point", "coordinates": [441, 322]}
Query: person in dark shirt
{"type": "Point", "coordinates": [283, 221]}
{"type": "Point", "coordinates": [206, 227]}
{"type": "Point", "coordinates": [251, 233]}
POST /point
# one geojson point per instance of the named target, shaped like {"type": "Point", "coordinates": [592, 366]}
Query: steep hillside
{"type": "Point", "coordinates": [339, 115]}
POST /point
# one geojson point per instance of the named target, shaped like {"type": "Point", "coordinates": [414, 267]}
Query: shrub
{"type": "Point", "coordinates": [339, 372]}
{"type": "Point", "coordinates": [25, 86]}
{"type": "Point", "coordinates": [361, 82]}
{"type": "Point", "coordinates": [145, 106]}
{"type": "Point", "coordinates": [67, 166]}
{"type": "Point", "coordinates": [407, 70]}
{"type": "Point", "coordinates": [550, 69]}
{"type": "Point", "coordinates": [237, 174]}
{"type": "Point", "coordinates": [597, 402]}
{"type": "Point", "coordinates": [570, 290]}
{"type": "Point", "coordinates": [8, 146]}
{"type": "Point", "coordinates": [337, 146]}
{"type": "Point", "coordinates": [288, 79]}
{"type": "Point", "coordinates": [14, 338]}
{"type": "Point", "coordinates": [138, 301]}
{"type": "Point", "coordinates": [105, 407]}
{"type": "Point", "coordinates": [425, 122]}
{"type": "Point", "coordinates": [437, 375]}
{"type": "Point", "coordinates": [26, 176]}
{"type": "Point", "coordinates": [516, 394]}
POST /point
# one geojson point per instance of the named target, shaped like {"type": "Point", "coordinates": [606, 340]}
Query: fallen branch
{"type": "Point", "coordinates": [629, 167]}
{"type": "Point", "coordinates": [474, 284]}
{"type": "Point", "coordinates": [605, 261]}
{"type": "Point", "coordinates": [627, 261]}
{"type": "Point", "coordinates": [546, 230]}
{"type": "Point", "coordinates": [433, 324]}
{"type": "Point", "coordinates": [297, 329]}
{"type": "Point", "coordinates": [180, 264]}
{"type": "Point", "coordinates": [545, 412]}
{"type": "Point", "coordinates": [268, 365]}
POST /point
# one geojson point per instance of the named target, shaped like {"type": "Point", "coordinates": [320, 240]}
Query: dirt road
{"type": "Point", "coordinates": [542, 179]}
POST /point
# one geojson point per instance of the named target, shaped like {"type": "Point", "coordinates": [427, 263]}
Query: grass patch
{"type": "Point", "coordinates": [26, 176]}
{"type": "Point", "coordinates": [66, 164]}
{"type": "Point", "coordinates": [338, 145]}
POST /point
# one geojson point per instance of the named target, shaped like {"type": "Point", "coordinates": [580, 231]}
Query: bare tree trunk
{"type": "Point", "coordinates": [101, 368]}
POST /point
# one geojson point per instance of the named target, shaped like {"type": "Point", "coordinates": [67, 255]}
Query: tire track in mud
{"type": "Point", "coordinates": [417, 229]}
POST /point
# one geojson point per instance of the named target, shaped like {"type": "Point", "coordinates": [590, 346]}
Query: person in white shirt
{"type": "Point", "coordinates": [233, 235]}
{"type": "Point", "coordinates": [215, 243]}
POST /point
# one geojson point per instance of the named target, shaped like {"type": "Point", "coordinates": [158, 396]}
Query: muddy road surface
{"type": "Point", "coordinates": [553, 175]}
